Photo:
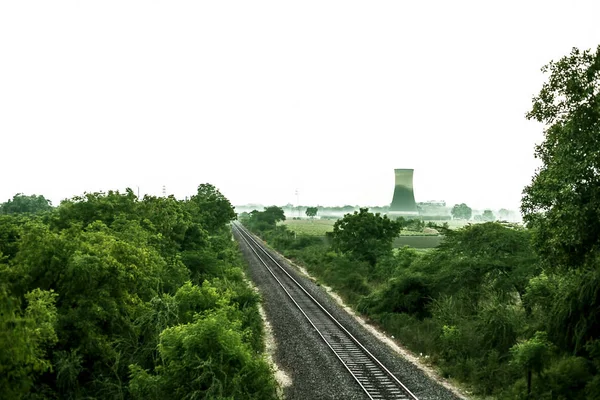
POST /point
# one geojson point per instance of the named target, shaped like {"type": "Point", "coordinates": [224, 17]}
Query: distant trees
{"type": "Point", "coordinates": [488, 216]}
{"type": "Point", "coordinates": [461, 211]}
{"type": "Point", "coordinates": [21, 203]}
{"type": "Point", "coordinates": [311, 212]}
{"type": "Point", "coordinates": [503, 214]}
{"type": "Point", "coordinates": [264, 220]}
{"type": "Point", "coordinates": [364, 235]}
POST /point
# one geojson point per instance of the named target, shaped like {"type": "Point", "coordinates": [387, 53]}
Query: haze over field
{"type": "Point", "coordinates": [265, 98]}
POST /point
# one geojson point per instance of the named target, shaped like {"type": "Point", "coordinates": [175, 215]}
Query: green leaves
{"type": "Point", "coordinates": [210, 208]}
{"type": "Point", "coordinates": [24, 340]}
{"type": "Point", "coordinates": [265, 220]}
{"type": "Point", "coordinates": [563, 201]}
{"type": "Point", "coordinates": [461, 211]}
{"type": "Point", "coordinates": [22, 204]}
{"type": "Point", "coordinates": [107, 279]}
{"type": "Point", "coordinates": [207, 358]}
{"type": "Point", "coordinates": [364, 235]}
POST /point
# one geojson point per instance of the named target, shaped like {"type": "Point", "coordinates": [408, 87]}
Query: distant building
{"type": "Point", "coordinates": [403, 202]}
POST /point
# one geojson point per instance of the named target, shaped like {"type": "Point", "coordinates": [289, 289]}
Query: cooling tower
{"type": "Point", "coordinates": [404, 198]}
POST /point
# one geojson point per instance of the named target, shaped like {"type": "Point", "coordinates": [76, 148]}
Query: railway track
{"type": "Point", "coordinates": [370, 374]}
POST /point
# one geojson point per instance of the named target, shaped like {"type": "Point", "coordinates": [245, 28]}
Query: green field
{"type": "Point", "coordinates": [318, 227]}
{"type": "Point", "coordinates": [311, 227]}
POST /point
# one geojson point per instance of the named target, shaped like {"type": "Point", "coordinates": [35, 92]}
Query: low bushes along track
{"type": "Point", "coordinates": [370, 374]}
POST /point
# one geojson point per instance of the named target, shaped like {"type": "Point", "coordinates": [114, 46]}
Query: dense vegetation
{"type": "Point", "coordinates": [512, 312]}
{"type": "Point", "coordinates": [111, 296]}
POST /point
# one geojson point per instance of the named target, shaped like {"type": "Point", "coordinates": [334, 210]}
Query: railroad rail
{"type": "Point", "coordinates": [372, 376]}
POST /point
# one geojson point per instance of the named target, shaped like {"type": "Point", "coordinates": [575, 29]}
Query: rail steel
{"type": "Point", "coordinates": [372, 376]}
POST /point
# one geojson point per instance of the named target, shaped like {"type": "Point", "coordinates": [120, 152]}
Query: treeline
{"type": "Point", "coordinates": [512, 312]}
{"type": "Point", "coordinates": [115, 297]}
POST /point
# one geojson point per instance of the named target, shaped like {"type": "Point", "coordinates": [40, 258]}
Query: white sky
{"type": "Point", "coordinates": [263, 98]}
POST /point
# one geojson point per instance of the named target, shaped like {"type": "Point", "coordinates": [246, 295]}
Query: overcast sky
{"type": "Point", "coordinates": [265, 98]}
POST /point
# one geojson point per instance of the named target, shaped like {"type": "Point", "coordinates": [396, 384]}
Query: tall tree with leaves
{"type": "Point", "coordinates": [210, 208]}
{"type": "Point", "coordinates": [311, 211]}
{"type": "Point", "coordinates": [461, 211]}
{"type": "Point", "coordinates": [21, 203]}
{"type": "Point", "coordinates": [364, 235]}
{"type": "Point", "coordinates": [562, 203]}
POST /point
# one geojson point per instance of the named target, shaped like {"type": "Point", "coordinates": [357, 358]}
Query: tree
{"type": "Point", "coordinates": [364, 235]}
{"type": "Point", "coordinates": [311, 212]}
{"type": "Point", "coordinates": [486, 255]}
{"type": "Point", "coordinates": [210, 208]}
{"type": "Point", "coordinates": [21, 203]}
{"type": "Point", "coordinates": [488, 216]}
{"type": "Point", "coordinates": [205, 359]}
{"type": "Point", "coordinates": [563, 200]}
{"type": "Point", "coordinates": [562, 203]}
{"type": "Point", "coordinates": [267, 219]}
{"type": "Point", "coordinates": [531, 355]}
{"type": "Point", "coordinates": [461, 211]}
{"type": "Point", "coordinates": [24, 337]}
{"type": "Point", "coordinates": [503, 214]}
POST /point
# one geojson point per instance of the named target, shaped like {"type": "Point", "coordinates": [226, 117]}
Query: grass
{"type": "Point", "coordinates": [310, 227]}
{"type": "Point", "coordinates": [318, 227]}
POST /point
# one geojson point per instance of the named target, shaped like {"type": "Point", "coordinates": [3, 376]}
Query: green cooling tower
{"type": "Point", "coordinates": [404, 198]}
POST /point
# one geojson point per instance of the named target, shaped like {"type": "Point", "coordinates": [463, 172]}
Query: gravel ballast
{"type": "Point", "coordinates": [313, 370]}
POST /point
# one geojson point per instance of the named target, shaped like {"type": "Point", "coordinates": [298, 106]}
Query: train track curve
{"type": "Point", "coordinates": [370, 374]}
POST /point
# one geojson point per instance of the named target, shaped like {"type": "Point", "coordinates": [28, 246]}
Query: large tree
{"type": "Point", "coordinates": [21, 203]}
{"type": "Point", "coordinates": [210, 208]}
{"type": "Point", "coordinates": [311, 211]}
{"type": "Point", "coordinates": [461, 211]}
{"type": "Point", "coordinates": [562, 203]}
{"type": "Point", "coordinates": [563, 200]}
{"type": "Point", "coordinates": [364, 235]}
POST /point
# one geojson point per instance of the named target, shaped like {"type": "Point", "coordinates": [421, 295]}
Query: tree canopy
{"type": "Point", "coordinates": [365, 235]}
{"type": "Point", "coordinates": [110, 296]}
{"type": "Point", "coordinates": [311, 211]}
{"type": "Point", "coordinates": [210, 208]}
{"type": "Point", "coordinates": [563, 200]}
{"type": "Point", "coordinates": [21, 203]}
{"type": "Point", "coordinates": [461, 211]}
{"type": "Point", "coordinates": [562, 203]}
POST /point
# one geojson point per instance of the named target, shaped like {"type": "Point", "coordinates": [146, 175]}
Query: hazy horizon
{"type": "Point", "coordinates": [264, 99]}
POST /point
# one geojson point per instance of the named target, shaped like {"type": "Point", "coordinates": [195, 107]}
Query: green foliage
{"type": "Point", "coordinates": [562, 202]}
{"type": "Point", "coordinates": [531, 355]}
{"type": "Point", "coordinates": [206, 358]}
{"type": "Point", "coordinates": [107, 279]}
{"type": "Point", "coordinates": [407, 293]}
{"type": "Point", "coordinates": [503, 214]}
{"type": "Point", "coordinates": [24, 339]}
{"type": "Point", "coordinates": [210, 209]}
{"type": "Point", "coordinates": [10, 233]}
{"type": "Point", "coordinates": [465, 304]}
{"type": "Point", "coordinates": [488, 216]}
{"type": "Point", "coordinates": [364, 235]}
{"type": "Point", "coordinates": [461, 211]}
{"type": "Point", "coordinates": [311, 211]}
{"type": "Point", "coordinates": [21, 204]}
{"type": "Point", "coordinates": [261, 221]}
